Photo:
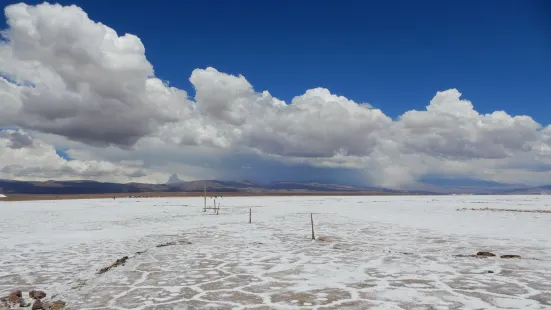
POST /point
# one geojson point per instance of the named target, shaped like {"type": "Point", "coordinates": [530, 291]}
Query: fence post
{"type": "Point", "coordinates": [250, 215]}
{"type": "Point", "coordinates": [312, 222]}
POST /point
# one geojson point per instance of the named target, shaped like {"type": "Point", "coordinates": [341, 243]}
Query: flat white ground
{"type": "Point", "coordinates": [379, 253]}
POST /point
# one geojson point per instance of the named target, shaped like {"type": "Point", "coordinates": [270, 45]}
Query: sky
{"type": "Point", "coordinates": [360, 92]}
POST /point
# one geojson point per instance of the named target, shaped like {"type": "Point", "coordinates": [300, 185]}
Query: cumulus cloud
{"type": "Point", "coordinates": [77, 83]}
{"type": "Point", "coordinates": [26, 158]}
{"type": "Point", "coordinates": [232, 114]}
{"type": "Point", "coordinates": [16, 139]}
{"type": "Point", "coordinates": [451, 127]}
{"type": "Point", "coordinates": [79, 78]}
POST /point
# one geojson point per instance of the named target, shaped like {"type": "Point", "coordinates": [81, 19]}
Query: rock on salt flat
{"type": "Point", "coordinates": [376, 253]}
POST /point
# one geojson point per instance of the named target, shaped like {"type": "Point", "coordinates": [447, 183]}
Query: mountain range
{"type": "Point", "coordinates": [174, 184]}
{"type": "Point", "coordinates": [92, 187]}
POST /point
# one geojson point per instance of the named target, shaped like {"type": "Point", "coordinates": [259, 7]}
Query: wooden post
{"type": "Point", "coordinates": [214, 205]}
{"type": "Point", "coordinates": [218, 209]}
{"type": "Point", "coordinates": [205, 189]}
{"type": "Point", "coordinates": [250, 215]}
{"type": "Point", "coordinates": [312, 221]}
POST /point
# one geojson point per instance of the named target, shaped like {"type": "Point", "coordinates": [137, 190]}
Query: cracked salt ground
{"type": "Point", "coordinates": [377, 253]}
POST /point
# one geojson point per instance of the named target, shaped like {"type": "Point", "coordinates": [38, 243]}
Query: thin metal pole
{"type": "Point", "coordinates": [312, 221]}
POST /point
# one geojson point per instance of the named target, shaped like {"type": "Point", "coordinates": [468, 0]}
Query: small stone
{"type": "Point", "coordinates": [510, 256]}
{"type": "Point", "coordinates": [13, 298]}
{"type": "Point", "coordinates": [18, 293]}
{"type": "Point", "coordinates": [489, 271]}
{"type": "Point", "coordinates": [37, 305]}
{"type": "Point", "coordinates": [37, 294]}
{"type": "Point", "coordinates": [485, 254]}
{"type": "Point", "coordinates": [24, 304]}
{"type": "Point", "coordinates": [58, 305]}
{"type": "Point", "coordinates": [59, 302]}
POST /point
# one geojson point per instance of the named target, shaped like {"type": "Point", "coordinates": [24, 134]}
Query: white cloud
{"type": "Point", "coordinates": [451, 127]}
{"type": "Point", "coordinates": [76, 83]}
{"type": "Point", "coordinates": [232, 114]}
{"type": "Point", "coordinates": [88, 83]}
{"type": "Point", "coordinates": [23, 157]}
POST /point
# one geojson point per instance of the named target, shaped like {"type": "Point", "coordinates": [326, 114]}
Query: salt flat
{"type": "Point", "coordinates": [377, 253]}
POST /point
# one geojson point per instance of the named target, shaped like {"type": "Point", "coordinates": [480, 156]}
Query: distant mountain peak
{"type": "Point", "coordinates": [174, 179]}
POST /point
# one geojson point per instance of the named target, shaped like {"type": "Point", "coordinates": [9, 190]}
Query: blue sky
{"type": "Point", "coordinates": [88, 103]}
{"type": "Point", "coordinates": [392, 54]}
